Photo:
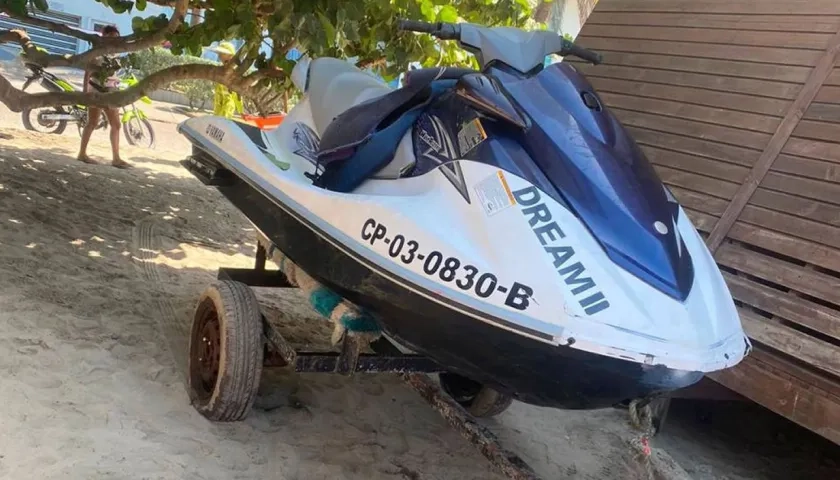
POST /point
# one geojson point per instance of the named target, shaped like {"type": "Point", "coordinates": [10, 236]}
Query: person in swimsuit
{"type": "Point", "coordinates": [100, 79]}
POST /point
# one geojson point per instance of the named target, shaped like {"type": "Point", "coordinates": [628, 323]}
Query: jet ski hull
{"type": "Point", "coordinates": [534, 372]}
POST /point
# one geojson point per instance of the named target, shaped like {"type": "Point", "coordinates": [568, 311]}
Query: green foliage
{"type": "Point", "coordinates": [363, 29]}
{"type": "Point", "coordinates": [147, 62]}
{"type": "Point", "coordinates": [198, 92]}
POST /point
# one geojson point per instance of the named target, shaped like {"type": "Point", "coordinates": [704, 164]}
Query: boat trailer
{"type": "Point", "coordinates": [231, 342]}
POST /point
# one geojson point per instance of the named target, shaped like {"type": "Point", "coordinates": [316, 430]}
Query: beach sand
{"type": "Point", "coordinates": [99, 272]}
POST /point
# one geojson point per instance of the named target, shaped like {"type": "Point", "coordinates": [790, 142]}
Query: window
{"type": "Point", "coordinates": [97, 26]}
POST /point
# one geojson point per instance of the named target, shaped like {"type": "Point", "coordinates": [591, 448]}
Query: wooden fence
{"type": "Point", "coordinates": [737, 104]}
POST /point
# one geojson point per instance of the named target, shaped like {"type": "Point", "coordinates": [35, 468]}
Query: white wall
{"type": "Point", "coordinates": [92, 12]}
{"type": "Point", "coordinates": [565, 17]}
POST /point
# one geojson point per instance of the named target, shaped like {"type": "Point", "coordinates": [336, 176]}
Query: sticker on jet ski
{"type": "Point", "coordinates": [440, 150]}
{"type": "Point", "coordinates": [307, 142]}
{"type": "Point", "coordinates": [448, 269]}
{"type": "Point", "coordinates": [548, 232]}
{"type": "Point", "coordinates": [494, 194]}
{"type": "Point", "coordinates": [215, 133]}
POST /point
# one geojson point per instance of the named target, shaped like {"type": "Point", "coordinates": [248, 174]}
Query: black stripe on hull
{"type": "Point", "coordinates": [535, 372]}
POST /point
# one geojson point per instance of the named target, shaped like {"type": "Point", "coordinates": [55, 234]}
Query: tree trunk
{"type": "Point", "coordinates": [543, 11]}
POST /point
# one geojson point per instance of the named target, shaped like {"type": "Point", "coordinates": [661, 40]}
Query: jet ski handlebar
{"type": "Point", "coordinates": [452, 31]}
{"type": "Point", "coordinates": [442, 30]}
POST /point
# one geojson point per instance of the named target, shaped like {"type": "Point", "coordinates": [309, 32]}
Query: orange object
{"type": "Point", "coordinates": [265, 123]}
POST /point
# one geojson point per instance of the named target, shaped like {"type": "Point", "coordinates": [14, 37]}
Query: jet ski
{"type": "Point", "coordinates": [501, 222]}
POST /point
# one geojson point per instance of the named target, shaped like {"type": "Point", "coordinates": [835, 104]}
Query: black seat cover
{"type": "Point", "coordinates": [356, 125]}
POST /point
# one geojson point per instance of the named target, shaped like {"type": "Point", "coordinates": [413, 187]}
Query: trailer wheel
{"type": "Point", "coordinates": [479, 400]}
{"type": "Point", "coordinates": [226, 352]}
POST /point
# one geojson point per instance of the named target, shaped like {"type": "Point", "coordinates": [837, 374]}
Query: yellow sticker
{"type": "Point", "coordinates": [505, 185]}
{"type": "Point", "coordinates": [471, 135]}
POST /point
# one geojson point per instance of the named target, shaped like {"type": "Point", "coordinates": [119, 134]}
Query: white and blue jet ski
{"type": "Point", "coordinates": [501, 222]}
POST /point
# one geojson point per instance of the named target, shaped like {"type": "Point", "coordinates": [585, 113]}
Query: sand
{"type": "Point", "coordinates": [99, 272]}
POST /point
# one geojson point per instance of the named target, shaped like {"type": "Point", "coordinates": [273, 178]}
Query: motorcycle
{"type": "Point", "coordinates": [136, 126]}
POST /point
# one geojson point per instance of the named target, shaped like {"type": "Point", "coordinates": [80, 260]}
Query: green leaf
{"type": "Point", "coordinates": [448, 14]}
{"type": "Point", "coordinates": [329, 29]}
{"type": "Point", "coordinates": [427, 8]}
{"type": "Point", "coordinates": [141, 4]}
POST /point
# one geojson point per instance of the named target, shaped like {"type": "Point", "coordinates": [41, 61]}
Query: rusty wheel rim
{"type": "Point", "coordinates": [206, 353]}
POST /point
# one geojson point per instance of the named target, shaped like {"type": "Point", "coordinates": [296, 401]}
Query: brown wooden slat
{"type": "Point", "coordinates": [794, 309]}
{"type": "Point", "coordinates": [778, 7]}
{"type": "Point", "coordinates": [813, 41]}
{"type": "Point", "coordinates": [817, 353]}
{"type": "Point", "coordinates": [760, 71]}
{"type": "Point", "coordinates": [825, 112]}
{"type": "Point", "coordinates": [694, 164]}
{"type": "Point", "coordinates": [813, 149]}
{"type": "Point", "coordinates": [777, 142]}
{"type": "Point", "coordinates": [772, 269]}
{"type": "Point", "coordinates": [807, 209]}
{"type": "Point", "coordinates": [788, 245]}
{"type": "Point", "coordinates": [705, 131]}
{"type": "Point", "coordinates": [701, 221]}
{"type": "Point", "coordinates": [828, 94]}
{"type": "Point", "coordinates": [834, 78]}
{"type": "Point", "coordinates": [748, 86]}
{"type": "Point", "coordinates": [712, 186]}
{"type": "Point", "coordinates": [727, 101]}
{"type": "Point", "coordinates": [809, 129]}
{"type": "Point", "coordinates": [804, 170]}
{"type": "Point", "coordinates": [698, 201]}
{"type": "Point", "coordinates": [695, 146]}
{"type": "Point", "coordinates": [791, 225]}
{"type": "Point", "coordinates": [808, 218]}
{"type": "Point", "coordinates": [776, 56]}
{"type": "Point", "coordinates": [784, 394]}
{"type": "Point", "coordinates": [687, 111]}
{"type": "Point", "coordinates": [806, 167]}
{"type": "Point", "coordinates": [827, 192]}
{"type": "Point", "coordinates": [772, 23]}
{"type": "Point", "coordinates": [798, 371]}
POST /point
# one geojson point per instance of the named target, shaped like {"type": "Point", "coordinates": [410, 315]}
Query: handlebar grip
{"type": "Point", "coordinates": [417, 26]}
{"type": "Point", "coordinates": [594, 58]}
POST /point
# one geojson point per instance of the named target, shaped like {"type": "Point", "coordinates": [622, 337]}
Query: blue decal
{"type": "Point", "coordinates": [572, 272]}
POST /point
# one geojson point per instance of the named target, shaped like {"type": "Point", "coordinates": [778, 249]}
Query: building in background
{"type": "Point", "coordinates": [85, 15]}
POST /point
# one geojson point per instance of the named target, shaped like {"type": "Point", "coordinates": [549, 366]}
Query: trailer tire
{"type": "Point", "coordinates": [479, 400]}
{"type": "Point", "coordinates": [226, 352]}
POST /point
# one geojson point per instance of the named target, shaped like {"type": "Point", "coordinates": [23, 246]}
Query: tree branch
{"type": "Point", "coordinates": [54, 27]}
{"type": "Point", "coordinates": [542, 13]}
{"type": "Point", "coordinates": [102, 46]}
{"type": "Point", "coordinates": [364, 64]}
{"type": "Point", "coordinates": [193, 3]}
{"type": "Point", "coordinates": [121, 45]}
{"type": "Point", "coordinates": [17, 100]}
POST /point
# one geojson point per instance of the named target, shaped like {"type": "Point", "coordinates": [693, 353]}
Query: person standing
{"type": "Point", "coordinates": [225, 102]}
{"type": "Point", "coordinates": [102, 79]}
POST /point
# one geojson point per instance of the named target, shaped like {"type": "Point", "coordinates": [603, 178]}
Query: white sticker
{"type": "Point", "coordinates": [494, 194]}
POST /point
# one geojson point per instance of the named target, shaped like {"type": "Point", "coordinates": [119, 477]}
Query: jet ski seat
{"type": "Point", "coordinates": [366, 127]}
{"type": "Point", "coordinates": [335, 86]}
